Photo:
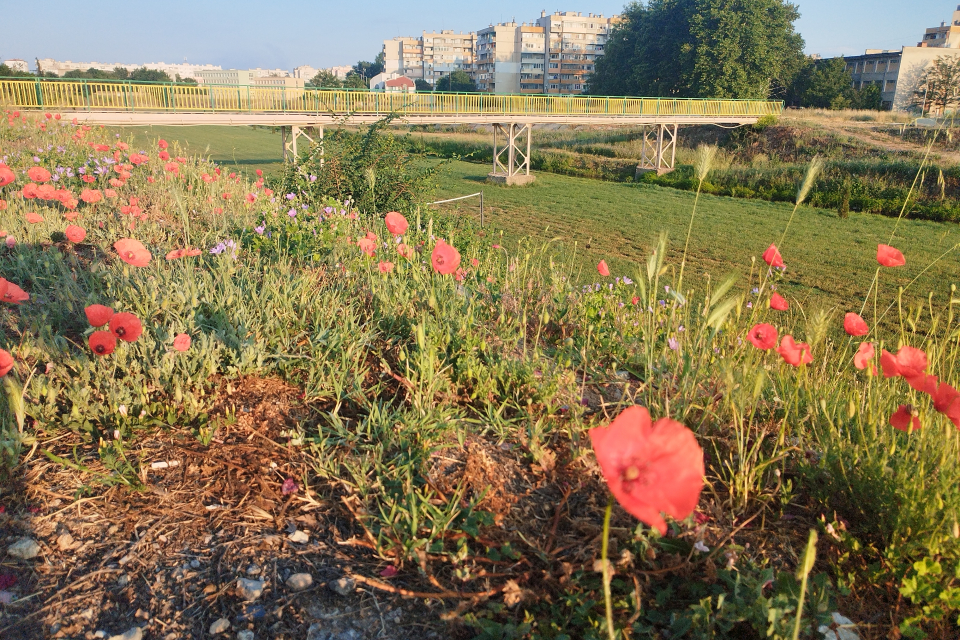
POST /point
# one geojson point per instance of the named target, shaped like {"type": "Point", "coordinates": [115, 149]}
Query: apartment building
{"type": "Point", "coordinates": [238, 77]}
{"type": "Point", "coordinates": [574, 42]}
{"type": "Point", "coordinates": [497, 60]}
{"type": "Point", "coordinates": [16, 64]}
{"type": "Point", "coordinates": [431, 56]}
{"type": "Point", "coordinates": [899, 73]}
{"type": "Point", "coordinates": [184, 70]}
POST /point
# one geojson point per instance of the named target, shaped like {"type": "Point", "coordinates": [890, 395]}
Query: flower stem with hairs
{"type": "Point", "coordinates": [606, 569]}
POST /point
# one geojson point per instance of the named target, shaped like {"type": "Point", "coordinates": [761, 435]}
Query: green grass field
{"type": "Point", "coordinates": [829, 261]}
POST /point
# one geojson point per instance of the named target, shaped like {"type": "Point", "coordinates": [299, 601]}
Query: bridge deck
{"type": "Point", "coordinates": [129, 103]}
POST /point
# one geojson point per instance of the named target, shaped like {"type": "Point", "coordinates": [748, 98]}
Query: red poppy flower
{"type": "Point", "coordinates": [98, 314]}
{"type": "Point", "coordinates": [864, 355]}
{"type": "Point", "coordinates": [6, 175]}
{"type": "Point", "coordinates": [6, 362]}
{"type": "Point", "coordinates": [890, 257]}
{"type": "Point", "coordinates": [29, 191]}
{"type": "Point", "coordinates": [367, 245]}
{"type": "Point", "coordinates": [46, 192]}
{"type": "Point", "coordinates": [903, 417]}
{"type": "Point", "coordinates": [91, 195]}
{"type": "Point", "coordinates": [226, 196]}
{"type": "Point", "coordinates": [4, 286]}
{"type": "Point", "coordinates": [854, 325]}
{"type": "Point", "coordinates": [778, 302]}
{"type": "Point", "coordinates": [259, 172]}
{"type": "Point", "coordinates": [48, 115]}
{"type": "Point", "coordinates": [14, 294]}
{"type": "Point", "coordinates": [38, 174]}
{"type": "Point", "coordinates": [251, 198]}
{"type": "Point", "coordinates": [162, 143]}
{"type": "Point", "coordinates": [34, 218]}
{"type": "Point", "coordinates": [172, 167]}
{"type": "Point", "coordinates": [88, 179]}
{"type": "Point", "coordinates": [405, 251]}
{"type": "Point", "coordinates": [445, 259]}
{"type": "Point", "coordinates": [126, 326]}
{"type": "Point", "coordinates": [132, 252]}
{"type": "Point", "coordinates": [385, 267]}
{"type": "Point", "coordinates": [138, 158]}
{"type": "Point", "coordinates": [102, 343]}
{"type": "Point", "coordinates": [207, 178]}
{"type": "Point", "coordinates": [772, 256]}
{"type": "Point", "coordinates": [74, 233]}
{"type": "Point", "coordinates": [603, 269]}
{"type": "Point", "coordinates": [650, 469]}
{"type": "Point", "coordinates": [182, 342]}
{"type": "Point", "coordinates": [763, 336]}
{"type": "Point", "coordinates": [122, 146]}
{"type": "Point", "coordinates": [396, 223]}
{"type": "Point", "coordinates": [794, 353]}
{"type": "Point", "coordinates": [163, 155]}
{"type": "Point", "coordinates": [946, 400]}
{"type": "Point", "coordinates": [110, 193]}
{"type": "Point", "coordinates": [909, 362]}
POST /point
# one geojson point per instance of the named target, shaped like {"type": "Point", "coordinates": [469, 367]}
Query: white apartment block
{"type": "Point", "coordinates": [184, 70]}
{"type": "Point", "coordinates": [555, 54]}
{"type": "Point", "coordinates": [16, 64]}
{"type": "Point", "coordinates": [575, 41]}
{"type": "Point", "coordinates": [430, 56]}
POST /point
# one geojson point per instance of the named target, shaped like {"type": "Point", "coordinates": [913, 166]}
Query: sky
{"type": "Point", "coordinates": [320, 33]}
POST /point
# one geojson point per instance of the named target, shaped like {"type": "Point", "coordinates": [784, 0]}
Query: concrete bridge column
{"type": "Point", "coordinates": [288, 139]}
{"type": "Point", "coordinates": [659, 149]}
{"type": "Point", "coordinates": [511, 161]}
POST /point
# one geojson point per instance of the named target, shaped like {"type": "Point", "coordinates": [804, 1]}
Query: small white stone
{"type": "Point", "coordinates": [219, 626]}
{"type": "Point", "coordinates": [134, 633]}
{"type": "Point", "coordinates": [24, 548]}
{"type": "Point", "coordinates": [299, 537]}
{"type": "Point", "coordinates": [343, 586]}
{"type": "Point", "coordinates": [246, 634]}
{"type": "Point", "coordinates": [300, 581]}
{"type": "Point", "coordinates": [249, 589]}
{"type": "Point", "coordinates": [100, 634]}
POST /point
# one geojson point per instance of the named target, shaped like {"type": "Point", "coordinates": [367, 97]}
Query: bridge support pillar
{"type": "Point", "coordinates": [511, 159]}
{"type": "Point", "coordinates": [288, 140]}
{"type": "Point", "coordinates": [659, 149]}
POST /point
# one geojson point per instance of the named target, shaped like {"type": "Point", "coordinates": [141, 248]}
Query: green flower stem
{"type": "Point", "coordinates": [606, 569]}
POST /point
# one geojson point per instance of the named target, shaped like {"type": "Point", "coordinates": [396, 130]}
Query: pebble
{"type": "Point", "coordinates": [344, 586]}
{"type": "Point", "coordinates": [134, 633]}
{"type": "Point", "coordinates": [194, 564]}
{"type": "Point", "coordinates": [65, 542]}
{"type": "Point", "coordinates": [219, 626]}
{"type": "Point", "coordinates": [299, 537]}
{"type": "Point", "coordinates": [253, 570]}
{"type": "Point", "coordinates": [246, 634]}
{"type": "Point", "coordinates": [6, 597]}
{"type": "Point", "coordinates": [299, 581]}
{"type": "Point", "coordinates": [249, 589]}
{"type": "Point", "coordinates": [24, 548]}
{"type": "Point", "coordinates": [100, 634]}
{"type": "Point", "coordinates": [123, 580]}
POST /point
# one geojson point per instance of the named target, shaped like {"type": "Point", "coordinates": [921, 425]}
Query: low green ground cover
{"type": "Point", "coordinates": [405, 370]}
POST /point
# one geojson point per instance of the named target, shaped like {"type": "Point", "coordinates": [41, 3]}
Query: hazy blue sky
{"type": "Point", "coordinates": [288, 33]}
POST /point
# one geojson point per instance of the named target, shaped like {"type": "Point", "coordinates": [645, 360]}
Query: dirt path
{"type": "Point", "coordinates": [868, 133]}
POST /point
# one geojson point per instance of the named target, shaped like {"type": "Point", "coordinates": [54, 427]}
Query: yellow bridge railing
{"type": "Point", "coordinates": [93, 95]}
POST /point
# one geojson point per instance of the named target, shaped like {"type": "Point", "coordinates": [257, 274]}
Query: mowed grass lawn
{"type": "Point", "coordinates": [830, 261]}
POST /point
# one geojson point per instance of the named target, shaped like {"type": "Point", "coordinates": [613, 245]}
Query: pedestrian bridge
{"type": "Point", "coordinates": [127, 103]}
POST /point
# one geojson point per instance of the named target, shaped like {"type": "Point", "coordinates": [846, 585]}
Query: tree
{"type": "Point", "coordinates": [459, 80]}
{"type": "Point", "coordinates": [867, 98]}
{"type": "Point", "coordinates": [355, 81]}
{"type": "Point", "coordinates": [326, 79]}
{"type": "Point", "coordinates": [939, 86]}
{"type": "Point", "coordinates": [367, 70]}
{"type": "Point", "coordinates": [821, 84]}
{"type": "Point", "coordinates": [701, 48]}
{"type": "Point", "coordinates": [423, 85]}
{"type": "Point", "coordinates": [121, 73]}
{"type": "Point", "coordinates": [150, 75]}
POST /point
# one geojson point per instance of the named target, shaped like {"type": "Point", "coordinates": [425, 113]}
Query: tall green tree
{"type": "Point", "coordinates": [701, 48]}
{"type": "Point", "coordinates": [367, 70]}
{"type": "Point", "coordinates": [939, 86]}
{"type": "Point", "coordinates": [458, 80]}
{"type": "Point", "coordinates": [822, 84]}
{"type": "Point", "coordinates": [150, 75]}
{"type": "Point", "coordinates": [326, 80]}
{"type": "Point", "coordinates": [423, 85]}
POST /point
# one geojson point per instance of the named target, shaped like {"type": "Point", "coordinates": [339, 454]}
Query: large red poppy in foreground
{"type": "Point", "coordinates": [650, 468]}
{"type": "Point", "coordinates": [445, 259]}
{"type": "Point", "coordinates": [132, 252]}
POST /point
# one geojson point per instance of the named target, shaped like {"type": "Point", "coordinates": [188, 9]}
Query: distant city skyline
{"type": "Point", "coordinates": [289, 33]}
